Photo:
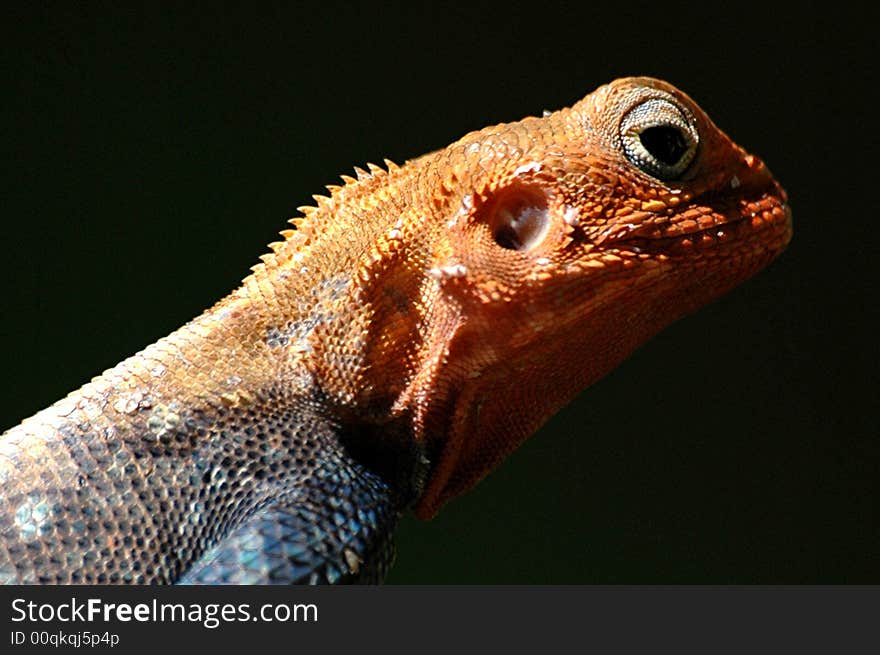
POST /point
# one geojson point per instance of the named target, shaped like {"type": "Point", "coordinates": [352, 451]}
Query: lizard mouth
{"type": "Point", "coordinates": [705, 229]}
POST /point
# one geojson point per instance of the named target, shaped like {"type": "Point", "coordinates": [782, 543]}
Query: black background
{"type": "Point", "coordinates": [150, 156]}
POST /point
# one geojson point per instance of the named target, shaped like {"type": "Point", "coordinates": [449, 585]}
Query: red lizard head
{"type": "Point", "coordinates": [560, 245]}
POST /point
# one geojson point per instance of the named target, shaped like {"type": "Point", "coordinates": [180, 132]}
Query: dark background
{"type": "Point", "coordinates": [149, 157]}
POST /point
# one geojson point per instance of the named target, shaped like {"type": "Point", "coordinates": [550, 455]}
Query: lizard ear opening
{"type": "Point", "coordinates": [519, 217]}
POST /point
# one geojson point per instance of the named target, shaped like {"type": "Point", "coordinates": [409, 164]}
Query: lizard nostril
{"type": "Point", "coordinates": [519, 218]}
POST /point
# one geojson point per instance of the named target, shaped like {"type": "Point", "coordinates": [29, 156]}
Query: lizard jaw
{"type": "Point", "coordinates": [753, 220]}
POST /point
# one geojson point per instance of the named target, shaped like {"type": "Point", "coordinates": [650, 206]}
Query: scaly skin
{"type": "Point", "coordinates": [414, 328]}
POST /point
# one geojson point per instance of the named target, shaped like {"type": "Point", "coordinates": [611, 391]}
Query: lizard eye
{"type": "Point", "coordinates": [660, 138]}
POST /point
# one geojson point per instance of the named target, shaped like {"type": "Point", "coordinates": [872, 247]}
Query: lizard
{"type": "Point", "coordinates": [412, 328]}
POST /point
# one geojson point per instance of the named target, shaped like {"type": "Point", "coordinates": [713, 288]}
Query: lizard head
{"type": "Point", "coordinates": [562, 243]}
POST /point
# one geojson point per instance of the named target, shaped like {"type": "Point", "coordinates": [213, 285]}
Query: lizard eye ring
{"type": "Point", "coordinates": [659, 138]}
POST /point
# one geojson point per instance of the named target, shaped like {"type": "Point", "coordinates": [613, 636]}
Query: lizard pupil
{"type": "Point", "coordinates": [664, 142]}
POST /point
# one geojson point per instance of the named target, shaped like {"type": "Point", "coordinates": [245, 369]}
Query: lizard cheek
{"type": "Point", "coordinates": [519, 218]}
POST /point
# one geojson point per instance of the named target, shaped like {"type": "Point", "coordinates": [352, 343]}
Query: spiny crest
{"type": "Point", "coordinates": [323, 202]}
{"type": "Point", "coordinates": [362, 175]}
{"type": "Point", "coordinates": [303, 226]}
